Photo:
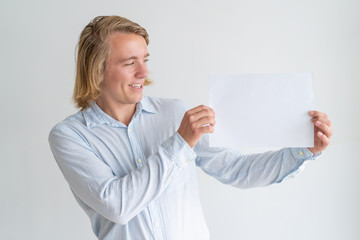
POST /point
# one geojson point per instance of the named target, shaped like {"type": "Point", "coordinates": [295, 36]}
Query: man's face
{"type": "Point", "coordinates": [126, 69]}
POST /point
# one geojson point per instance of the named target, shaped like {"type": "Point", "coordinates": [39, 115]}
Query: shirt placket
{"type": "Point", "coordinates": [139, 159]}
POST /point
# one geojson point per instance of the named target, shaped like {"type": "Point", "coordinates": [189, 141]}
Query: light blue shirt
{"type": "Point", "coordinates": [139, 181]}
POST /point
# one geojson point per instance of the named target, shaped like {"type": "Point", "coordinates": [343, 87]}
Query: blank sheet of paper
{"type": "Point", "coordinates": [262, 110]}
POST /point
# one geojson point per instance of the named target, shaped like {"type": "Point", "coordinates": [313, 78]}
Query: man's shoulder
{"type": "Point", "coordinates": [70, 123]}
{"type": "Point", "coordinates": [159, 103]}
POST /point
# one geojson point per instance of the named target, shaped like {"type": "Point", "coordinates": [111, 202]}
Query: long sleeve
{"type": "Point", "coordinates": [139, 181]}
{"type": "Point", "coordinates": [118, 199]}
{"type": "Point", "coordinates": [254, 170]}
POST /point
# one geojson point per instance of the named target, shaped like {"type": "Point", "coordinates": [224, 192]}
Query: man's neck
{"type": "Point", "coordinates": [121, 112]}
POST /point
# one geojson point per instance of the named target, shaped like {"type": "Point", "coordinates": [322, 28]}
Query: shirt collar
{"type": "Point", "coordinates": [94, 116]}
{"type": "Point", "coordinates": [146, 105]}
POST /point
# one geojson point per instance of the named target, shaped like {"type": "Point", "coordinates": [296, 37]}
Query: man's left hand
{"type": "Point", "coordinates": [322, 131]}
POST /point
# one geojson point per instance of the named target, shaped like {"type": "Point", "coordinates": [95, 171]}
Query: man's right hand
{"type": "Point", "coordinates": [196, 122]}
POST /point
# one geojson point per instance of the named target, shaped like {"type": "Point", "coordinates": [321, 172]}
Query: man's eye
{"type": "Point", "coordinates": [129, 64]}
{"type": "Point", "coordinates": [146, 60]}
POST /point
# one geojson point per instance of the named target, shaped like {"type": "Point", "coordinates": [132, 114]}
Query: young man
{"type": "Point", "coordinates": [131, 160]}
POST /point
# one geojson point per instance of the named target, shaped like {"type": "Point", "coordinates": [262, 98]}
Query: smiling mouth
{"type": "Point", "coordinates": [137, 85]}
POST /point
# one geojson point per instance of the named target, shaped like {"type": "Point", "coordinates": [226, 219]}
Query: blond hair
{"type": "Point", "coordinates": [92, 53]}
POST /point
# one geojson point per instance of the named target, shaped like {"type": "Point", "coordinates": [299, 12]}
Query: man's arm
{"type": "Point", "coordinates": [93, 181]}
{"type": "Point", "coordinates": [231, 167]}
{"type": "Point", "coordinates": [244, 171]}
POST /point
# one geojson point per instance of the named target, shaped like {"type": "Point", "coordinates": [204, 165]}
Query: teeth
{"type": "Point", "coordinates": [136, 85]}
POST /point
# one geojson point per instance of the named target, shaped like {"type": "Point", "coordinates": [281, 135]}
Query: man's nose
{"type": "Point", "coordinates": [142, 71]}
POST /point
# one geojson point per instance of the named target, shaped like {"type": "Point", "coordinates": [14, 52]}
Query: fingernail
{"type": "Point", "coordinates": [311, 112]}
{"type": "Point", "coordinates": [318, 123]}
{"type": "Point", "coordinates": [320, 134]}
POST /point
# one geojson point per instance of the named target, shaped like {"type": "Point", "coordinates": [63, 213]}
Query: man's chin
{"type": "Point", "coordinates": [139, 99]}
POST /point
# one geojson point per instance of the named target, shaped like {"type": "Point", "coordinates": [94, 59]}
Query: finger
{"type": "Point", "coordinates": [207, 120]}
{"type": "Point", "coordinates": [314, 113]}
{"type": "Point", "coordinates": [323, 138]}
{"type": "Point", "coordinates": [325, 128]}
{"type": "Point", "coordinates": [206, 112]}
{"type": "Point", "coordinates": [194, 110]}
{"type": "Point", "coordinates": [206, 129]}
{"type": "Point", "coordinates": [322, 120]}
{"type": "Point", "coordinates": [197, 109]}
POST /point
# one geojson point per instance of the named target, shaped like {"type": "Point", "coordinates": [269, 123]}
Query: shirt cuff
{"type": "Point", "coordinates": [303, 154]}
{"type": "Point", "coordinates": [179, 151]}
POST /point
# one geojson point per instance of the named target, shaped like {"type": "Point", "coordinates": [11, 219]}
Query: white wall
{"type": "Point", "coordinates": [188, 40]}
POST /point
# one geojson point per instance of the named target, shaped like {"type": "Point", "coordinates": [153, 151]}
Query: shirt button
{"type": "Point", "coordinates": [187, 160]}
{"type": "Point", "coordinates": [157, 224]}
{"type": "Point", "coordinates": [301, 153]}
{"type": "Point", "coordinates": [139, 160]}
{"type": "Point", "coordinates": [130, 129]}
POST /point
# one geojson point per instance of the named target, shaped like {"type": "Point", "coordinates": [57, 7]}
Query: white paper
{"type": "Point", "coordinates": [262, 110]}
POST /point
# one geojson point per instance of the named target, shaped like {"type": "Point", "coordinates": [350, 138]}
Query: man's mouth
{"type": "Point", "coordinates": [136, 85]}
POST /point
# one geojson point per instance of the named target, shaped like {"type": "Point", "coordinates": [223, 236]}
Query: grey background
{"type": "Point", "coordinates": [188, 40]}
